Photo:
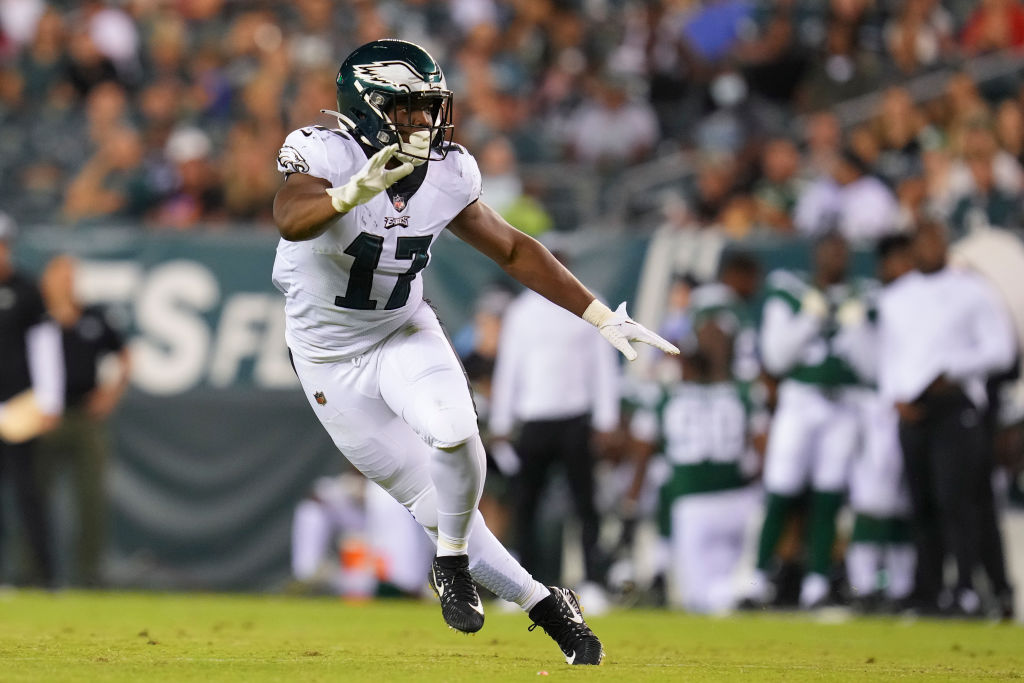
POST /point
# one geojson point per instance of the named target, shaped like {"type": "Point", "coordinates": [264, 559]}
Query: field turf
{"type": "Point", "coordinates": [186, 637]}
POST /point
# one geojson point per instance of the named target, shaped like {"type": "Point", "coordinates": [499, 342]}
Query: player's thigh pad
{"type": "Point", "coordinates": [791, 439]}
{"type": "Point", "coordinates": [422, 380]}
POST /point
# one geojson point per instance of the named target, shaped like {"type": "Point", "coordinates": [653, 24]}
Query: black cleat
{"type": "Point", "coordinates": [561, 617]}
{"type": "Point", "coordinates": [460, 603]}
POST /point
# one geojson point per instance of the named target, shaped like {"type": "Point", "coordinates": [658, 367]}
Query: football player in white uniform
{"type": "Point", "coordinates": [813, 435]}
{"type": "Point", "coordinates": [358, 213]}
{"type": "Point", "coordinates": [880, 558]}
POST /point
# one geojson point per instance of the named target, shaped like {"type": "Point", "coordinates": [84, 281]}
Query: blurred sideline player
{"type": "Point", "coordinates": [31, 398]}
{"type": "Point", "coordinates": [332, 513]}
{"type": "Point", "coordinates": [358, 213]}
{"type": "Point", "coordinates": [382, 548]}
{"type": "Point", "coordinates": [558, 383]}
{"type": "Point", "coordinates": [880, 558]}
{"type": "Point", "coordinates": [703, 425]}
{"type": "Point", "coordinates": [815, 428]}
{"type": "Point", "coordinates": [97, 366]}
{"type": "Point", "coordinates": [945, 333]}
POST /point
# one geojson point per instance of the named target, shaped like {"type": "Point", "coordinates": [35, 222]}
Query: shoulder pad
{"type": "Point", "coordinates": [786, 281]}
{"type": "Point", "coordinates": [454, 147]}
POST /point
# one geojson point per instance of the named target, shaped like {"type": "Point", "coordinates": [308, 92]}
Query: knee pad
{"type": "Point", "coordinates": [450, 427]}
{"type": "Point", "coordinates": [424, 510]}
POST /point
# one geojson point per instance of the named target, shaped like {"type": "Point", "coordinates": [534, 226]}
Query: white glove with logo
{"type": "Point", "coordinates": [419, 144]}
{"type": "Point", "coordinates": [372, 179]}
{"type": "Point", "coordinates": [619, 329]}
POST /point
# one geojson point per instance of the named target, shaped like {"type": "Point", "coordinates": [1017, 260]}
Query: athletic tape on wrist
{"type": "Point", "coordinates": [597, 313]}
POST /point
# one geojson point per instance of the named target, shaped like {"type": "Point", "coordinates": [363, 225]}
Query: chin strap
{"type": "Point", "coordinates": [417, 144]}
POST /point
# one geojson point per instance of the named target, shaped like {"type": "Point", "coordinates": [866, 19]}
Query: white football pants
{"type": "Point", "coordinates": [865, 561]}
{"type": "Point", "coordinates": [402, 414]}
{"type": "Point", "coordinates": [708, 536]}
{"type": "Point", "coordinates": [811, 441]}
{"type": "Point", "coordinates": [877, 485]}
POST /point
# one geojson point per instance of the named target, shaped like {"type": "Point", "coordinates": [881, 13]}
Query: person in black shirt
{"type": "Point", "coordinates": [81, 442]}
{"type": "Point", "coordinates": [30, 358]}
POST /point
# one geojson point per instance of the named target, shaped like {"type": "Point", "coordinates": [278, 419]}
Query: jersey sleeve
{"type": "Point", "coordinates": [786, 287]}
{"type": "Point", "coordinates": [313, 151]}
{"type": "Point", "coordinates": [469, 173]}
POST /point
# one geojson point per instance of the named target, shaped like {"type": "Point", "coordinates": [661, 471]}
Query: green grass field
{"type": "Point", "coordinates": [186, 637]}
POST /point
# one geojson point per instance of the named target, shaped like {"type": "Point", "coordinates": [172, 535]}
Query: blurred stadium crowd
{"type": "Point", "coordinates": [176, 106]}
{"type": "Point", "coordinates": [799, 119]}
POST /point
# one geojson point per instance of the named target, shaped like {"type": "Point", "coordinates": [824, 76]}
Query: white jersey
{"type": "Point", "coordinates": [358, 282]}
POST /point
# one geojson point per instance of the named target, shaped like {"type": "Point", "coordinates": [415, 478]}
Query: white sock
{"type": "Point", "coordinates": [814, 588]}
{"type": "Point", "coordinates": [494, 568]}
{"type": "Point", "coordinates": [862, 563]}
{"type": "Point", "coordinates": [758, 588]}
{"type": "Point", "coordinates": [900, 562]}
{"type": "Point", "coordinates": [458, 476]}
{"type": "Point", "coordinates": [662, 556]}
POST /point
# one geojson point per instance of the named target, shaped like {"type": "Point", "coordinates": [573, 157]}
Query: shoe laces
{"type": "Point", "coordinates": [460, 586]}
{"type": "Point", "coordinates": [560, 626]}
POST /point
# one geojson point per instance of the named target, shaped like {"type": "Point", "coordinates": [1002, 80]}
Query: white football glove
{"type": "Point", "coordinates": [814, 304]}
{"type": "Point", "coordinates": [372, 179]}
{"type": "Point", "coordinates": [619, 329]}
{"type": "Point", "coordinates": [852, 313]}
{"type": "Point", "coordinates": [418, 144]}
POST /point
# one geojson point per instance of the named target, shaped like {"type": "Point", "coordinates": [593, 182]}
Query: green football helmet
{"type": "Point", "coordinates": [388, 76]}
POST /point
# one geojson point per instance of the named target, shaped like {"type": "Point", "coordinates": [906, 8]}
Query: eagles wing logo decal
{"type": "Point", "coordinates": [393, 74]}
{"type": "Point", "coordinates": [290, 161]}
{"type": "Point", "coordinates": [320, 398]}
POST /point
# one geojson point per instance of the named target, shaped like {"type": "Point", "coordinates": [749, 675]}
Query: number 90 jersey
{"type": "Point", "coordinates": [358, 282]}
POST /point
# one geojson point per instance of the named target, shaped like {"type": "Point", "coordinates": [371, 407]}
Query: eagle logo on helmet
{"type": "Point", "coordinates": [393, 74]}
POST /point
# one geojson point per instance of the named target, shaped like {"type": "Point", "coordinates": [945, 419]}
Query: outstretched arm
{"type": "Point", "coordinates": [521, 256]}
{"type": "Point", "coordinates": [529, 262]}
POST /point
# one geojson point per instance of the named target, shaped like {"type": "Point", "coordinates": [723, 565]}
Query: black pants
{"type": "Point", "coordinates": [542, 444]}
{"type": "Point", "coordinates": [993, 558]}
{"type": "Point", "coordinates": [949, 473]}
{"type": "Point", "coordinates": [18, 466]}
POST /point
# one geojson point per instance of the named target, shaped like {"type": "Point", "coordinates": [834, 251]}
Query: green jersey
{"type": "Point", "coordinates": [702, 431]}
{"type": "Point", "coordinates": [817, 361]}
